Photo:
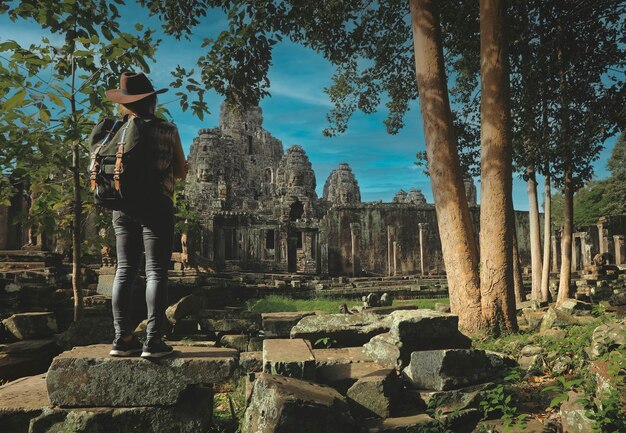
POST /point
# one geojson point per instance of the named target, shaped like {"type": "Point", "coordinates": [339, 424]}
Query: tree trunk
{"type": "Point", "coordinates": [459, 248]}
{"type": "Point", "coordinates": [496, 227]}
{"type": "Point", "coordinates": [566, 239]}
{"type": "Point", "coordinates": [77, 206]}
{"type": "Point", "coordinates": [76, 238]}
{"type": "Point", "coordinates": [535, 235]}
{"type": "Point", "coordinates": [547, 236]}
{"type": "Point", "coordinates": [518, 281]}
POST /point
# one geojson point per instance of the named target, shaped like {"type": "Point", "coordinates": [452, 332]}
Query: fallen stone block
{"type": "Point", "coordinates": [89, 377]}
{"type": "Point", "coordinates": [573, 415]}
{"type": "Point", "coordinates": [388, 309]}
{"type": "Point", "coordinates": [412, 331]}
{"type": "Point", "coordinates": [453, 400]}
{"type": "Point", "coordinates": [192, 414]}
{"type": "Point", "coordinates": [286, 405]}
{"type": "Point", "coordinates": [87, 331]}
{"type": "Point", "coordinates": [407, 424]}
{"type": "Point", "coordinates": [31, 326]}
{"type": "Point", "coordinates": [575, 307]}
{"type": "Point", "coordinates": [185, 307]}
{"type": "Point", "coordinates": [20, 401]}
{"type": "Point", "coordinates": [607, 337]}
{"type": "Point", "coordinates": [233, 322]}
{"type": "Point", "coordinates": [292, 358]}
{"type": "Point", "coordinates": [251, 362]}
{"type": "Point", "coordinates": [376, 394]}
{"type": "Point", "coordinates": [443, 370]}
{"type": "Point", "coordinates": [26, 358]}
{"type": "Point", "coordinates": [343, 330]}
{"type": "Point", "coordinates": [555, 318]}
{"type": "Point", "coordinates": [278, 325]}
{"type": "Point", "coordinates": [342, 376]}
{"type": "Point", "coordinates": [238, 342]}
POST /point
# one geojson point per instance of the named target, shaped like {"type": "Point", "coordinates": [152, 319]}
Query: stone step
{"type": "Point", "coordinates": [25, 408]}
{"type": "Point", "coordinates": [89, 377]}
{"type": "Point", "coordinates": [20, 401]}
{"type": "Point", "coordinates": [26, 358]}
{"type": "Point", "coordinates": [289, 357]}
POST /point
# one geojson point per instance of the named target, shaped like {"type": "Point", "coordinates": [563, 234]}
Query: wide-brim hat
{"type": "Point", "coordinates": [133, 87]}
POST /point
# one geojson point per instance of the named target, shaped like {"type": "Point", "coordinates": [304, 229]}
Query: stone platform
{"type": "Point", "coordinates": [89, 377]}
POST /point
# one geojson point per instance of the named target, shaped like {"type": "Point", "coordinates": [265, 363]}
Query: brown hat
{"type": "Point", "coordinates": [133, 87]}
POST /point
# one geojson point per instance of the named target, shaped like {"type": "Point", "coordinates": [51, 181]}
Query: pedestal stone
{"type": "Point", "coordinates": [89, 377]}
{"type": "Point", "coordinates": [293, 358]}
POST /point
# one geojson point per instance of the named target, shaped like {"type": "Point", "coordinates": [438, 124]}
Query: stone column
{"type": "Point", "coordinates": [389, 250]}
{"type": "Point", "coordinates": [395, 257]}
{"type": "Point", "coordinates": [603, 244]}
{"type": "Point", "coordinates": [276, 245]}
{"type": "Point", "coordinates": [355, 237]}
{"type": "Point", "coordinates": [4, 227]}
{"type": "Point", "coordinates": [555, 254]}
{"type": "Point", "coordinates": [422, 226]}
{"type": "Point", "coordinates": [574, 254]}
{"type": "Point", "coordinates": [221, 246]}
{"type": "Point", "coordinates": [585, 251]}
{"type": "Point", "coordinates": [620, 254]}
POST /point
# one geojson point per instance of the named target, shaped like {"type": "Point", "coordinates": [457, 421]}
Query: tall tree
{"type": "Point", "coordinates": [496, 222]}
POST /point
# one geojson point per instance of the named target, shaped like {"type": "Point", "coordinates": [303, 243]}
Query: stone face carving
{"type": "Point", "coordinates": [414, 196]}
{"type": "Point", "coordinates": [341, 187]}
{"type": "Point", "coordinates": [295, 175]}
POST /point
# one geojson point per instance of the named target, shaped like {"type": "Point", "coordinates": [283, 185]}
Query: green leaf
{"type": "Point", "coordinates": [54, 98]}
{"type": "Point", "coordinates": [15, 100]}
{"type": "Point", "coordinates": [44, 115]}
{"type": "Point", "coordinates": [82, 53]}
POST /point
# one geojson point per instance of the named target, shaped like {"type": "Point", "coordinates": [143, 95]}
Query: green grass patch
{"type": "Point", "coordinates": [277, 303]}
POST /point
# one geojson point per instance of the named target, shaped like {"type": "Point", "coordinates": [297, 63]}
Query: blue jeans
{"type": "Point", "coordinates": [155, 228]}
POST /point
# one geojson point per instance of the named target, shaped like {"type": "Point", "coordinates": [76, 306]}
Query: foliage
{"type": "Point", "coordinates": [598, 198]}
{"type": "Point", "coordinates": [499, 402]}
{"type": "Point", "coordinates": [561, 387]}
{"type": "Point", "coordinates": [608, 409]}
{"type": "Point", "coordinates": [325, 343]}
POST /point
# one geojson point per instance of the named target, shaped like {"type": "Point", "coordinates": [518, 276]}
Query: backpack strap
{"type": "Point", "coordinates": [95, 156]}
{"type": "Point", "coordinates": [118, 157]}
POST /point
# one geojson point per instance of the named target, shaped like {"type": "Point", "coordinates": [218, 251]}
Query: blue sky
{"type": "Point", "coordinates": [295, 113]}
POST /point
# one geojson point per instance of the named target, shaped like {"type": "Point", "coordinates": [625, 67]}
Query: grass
{"type": "Point", "coordinates": [277, 303]}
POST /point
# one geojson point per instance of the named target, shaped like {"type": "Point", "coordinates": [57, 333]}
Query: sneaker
{"type": "Point", "coordinates": [156, 349]}
{"type": "Point", "coordinates": [125, 348]}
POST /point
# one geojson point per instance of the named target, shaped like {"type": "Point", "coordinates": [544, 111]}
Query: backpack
{"type": "Point", "coordinates": [123, 173]}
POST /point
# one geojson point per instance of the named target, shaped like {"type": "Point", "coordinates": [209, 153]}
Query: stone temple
{"type": "Point", "coordinates": [259, 211]}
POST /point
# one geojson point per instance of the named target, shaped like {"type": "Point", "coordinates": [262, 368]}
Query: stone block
{"type": "Point", "coordinates": [573, 415]}
{"type": "Point", "coordinates": [87, 331]}
{"type": "Point", "coordinates": [105, 284]}
{"type": "Point", "coordinates": [413, 331]}
{"type": "Point", "coordinates": [607, 337]}
{"type": "Point", "coordinates": [454, 400]}
{"type": "Point", "coordinates": [407, 424]}
{"type": "Point", "coordinates": [278, 325]}
{"type": "Point", "coordinates": [343, 329]}
{"type": "Point", "coordinates": [376, 394]}
{"type": "Point", "coordinates": [31, 326]}
{"type": "Point", "coordinates": [233, 322]}
{"type": "Point", "coordinates": [238, 342]}
{"type": "Point", "coordinates": [443, 370]}
{"type": "Point", "coordinates": [286, 405]}
{"type": "Point", "coordinates": [289, 357]}
{"type": "Point", "coordinates": [251, 362]}
{"type": "Point", "coordinates": [192, 414]}
{"type": "Point", "coordinates": [575, 307]}
{"type": "Point", "coordinates": [555, 318]}
{"type": "Point", "coordinates": [26, 358]}
{"type": "Point", "coordinates": [20, 401]}
{"type": "Point", "coordinates": [89, 377]}
{"type": "Point", "coordinates": [185, 307]}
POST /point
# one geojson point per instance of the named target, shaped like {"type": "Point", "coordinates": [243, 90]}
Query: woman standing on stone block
{"type": "Point", "coordinates": [152, 225]}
